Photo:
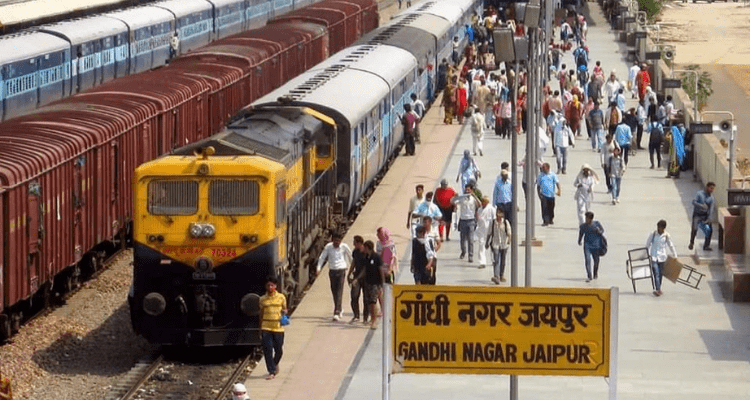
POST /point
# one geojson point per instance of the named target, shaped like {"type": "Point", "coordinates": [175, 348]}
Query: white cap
{"type": "Point", "coordinates": [239, 389]}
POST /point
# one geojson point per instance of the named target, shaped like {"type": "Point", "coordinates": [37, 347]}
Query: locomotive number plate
{"type": "Point", "coordinates": [204, 276]}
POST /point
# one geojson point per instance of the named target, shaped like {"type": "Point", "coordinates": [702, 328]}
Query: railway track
{"type": "Point", "coordinates": [162, 378]}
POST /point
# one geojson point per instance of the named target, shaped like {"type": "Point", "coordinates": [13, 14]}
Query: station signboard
{"type": "Point", "coordinates": [495, 330]}
{"type": "Point", "coordinates": [701, 128]}
{"type": "Point", "coordinates": [629, 20]}
{"type": "Point", "coordinates": [653, 55]}
{"type": "Point", "coordinates": [641, 34]}
{"type": "Point", "coordinates": [671, 83]}
{"type": "Point", "coordinates": [738, 197]}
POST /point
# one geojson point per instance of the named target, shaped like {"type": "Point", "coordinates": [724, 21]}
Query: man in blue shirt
{"type": "Point", "coordinates": [703, 207]}
{"type": "Point", "coordinates": [623, 137]}
{"type": "Point", "coordinates": [502, 194]}
{"type": "Point", "coordinates": [548, 185]}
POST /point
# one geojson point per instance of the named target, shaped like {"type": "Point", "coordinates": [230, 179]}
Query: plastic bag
{"type": "Point", "coordinates": [284, 320]}
{"type": "Point", "coordinates": [705, 228]}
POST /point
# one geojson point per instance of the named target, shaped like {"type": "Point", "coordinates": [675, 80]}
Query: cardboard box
{"type": "Point", "coordinates": [672, 269]}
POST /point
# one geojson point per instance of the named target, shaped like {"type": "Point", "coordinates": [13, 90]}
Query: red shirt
{"type": "Point", "coordinates": [443, 197]}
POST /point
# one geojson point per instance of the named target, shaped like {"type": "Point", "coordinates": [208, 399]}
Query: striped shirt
{"type": "Point", "coordinates": [270, 311]}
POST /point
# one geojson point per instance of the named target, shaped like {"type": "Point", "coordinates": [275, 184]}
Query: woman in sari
{"type": "Point", "coordinates": [676, 143]}
{"type": "Point", "coordinates": [461, 100]}
{"type": "Point", "coordinates": [386, 249]}
{"type": "Point", "coordinates": [467, 170]}
{"type": "Point", "coordinates": [449, 100]}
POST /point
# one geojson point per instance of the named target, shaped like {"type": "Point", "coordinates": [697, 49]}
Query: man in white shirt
{"type": "Point", "coordinates": [413, 220]}
{"type": "Point", "coordinates": [429, 209]}
{"type": "Point", "coordinates": [633, 72]}
{"type": "Point", "coordinates": [485, 216]}
{"type": "Point", "coordinates": [657, 244]}
{"type": "Point", "coordinates": [564, 138]}
{"type": "Point", "coordinates": [339, 257]}
{"type": "Point", "coordinates": [467, 206]}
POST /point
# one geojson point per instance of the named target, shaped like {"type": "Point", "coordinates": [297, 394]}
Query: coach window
{"type": "Point", "coordinates": [231, 197]}
{"type": "Point", "coordinates": [172, 197]}
{"type": "Point", "coordinates": [280, 204]}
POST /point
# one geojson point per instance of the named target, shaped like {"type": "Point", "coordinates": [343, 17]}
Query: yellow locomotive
{"type": "Point", "coordinates": [213, 219]}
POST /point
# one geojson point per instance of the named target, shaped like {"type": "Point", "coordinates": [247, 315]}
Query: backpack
{"type": "Point", "coordinates": [657, 132]}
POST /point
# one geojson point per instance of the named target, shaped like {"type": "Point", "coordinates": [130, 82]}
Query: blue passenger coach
{"type": "Point", "coordinates": [115, 44]}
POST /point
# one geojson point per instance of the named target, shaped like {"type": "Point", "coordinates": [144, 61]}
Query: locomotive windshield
{"type": "Point", "coordinates": [234, 197]}
{"type": "Point", "coordinates": [172, 197]}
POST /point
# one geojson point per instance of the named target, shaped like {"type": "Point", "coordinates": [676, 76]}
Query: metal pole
{"type": "Point", "coordinates": [533, 92]}
{"type": "Point", "coordinates": [386, 324]}
{"type": "Point", "coordinates": [514, 172]}
{"type": "Point", "coordinates": [614, 315]}
{"type": "Point", "coordinates": [514, 212]}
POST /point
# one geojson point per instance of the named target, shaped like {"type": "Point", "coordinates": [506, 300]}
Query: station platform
{"type": "Point", "coordinates": [686, 344]}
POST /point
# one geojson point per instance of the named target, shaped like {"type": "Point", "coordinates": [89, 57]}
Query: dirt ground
{"type": "Point", "coordinates": [715, 36]}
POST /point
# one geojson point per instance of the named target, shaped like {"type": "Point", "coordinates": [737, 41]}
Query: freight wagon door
{"type": "Point", "coordinates": [34, 230]}
{"type": "Point", "coordinates": [78, 203]}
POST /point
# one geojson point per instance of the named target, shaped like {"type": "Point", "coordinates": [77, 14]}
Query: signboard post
{"type": "Point", "coordinates": [512, 330]}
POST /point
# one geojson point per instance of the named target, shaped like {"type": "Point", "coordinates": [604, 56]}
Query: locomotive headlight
{"type": "Point", "coordinates": [154, 304]}
{"type": "Point", "coordinates": [208, 230]}
{"type": "Point", "coordinates": [196, 230]}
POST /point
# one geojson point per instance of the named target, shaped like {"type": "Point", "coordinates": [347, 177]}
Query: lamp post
{"type": "Point", "coordinates": [696, 117]}
{"type": "Point", "coordinates": [731, 140]}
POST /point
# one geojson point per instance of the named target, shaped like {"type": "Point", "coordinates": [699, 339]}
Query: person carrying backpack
{"type": "Point", "coordinates": [656, 131]}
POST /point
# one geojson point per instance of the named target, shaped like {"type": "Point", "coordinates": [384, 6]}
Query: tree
{"type": "Point", "coordinates": [705, 83]}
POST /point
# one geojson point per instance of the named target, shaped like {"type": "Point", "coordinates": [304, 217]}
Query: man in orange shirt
{"type": "Point", "coordinates": [443, 196]}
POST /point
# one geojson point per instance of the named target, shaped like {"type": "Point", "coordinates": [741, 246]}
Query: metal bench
{"type": "Point", "coordinates": [638, 266]}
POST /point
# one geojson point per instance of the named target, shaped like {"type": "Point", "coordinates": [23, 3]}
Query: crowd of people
{"type": "Point", "coordinates": [479, 91]}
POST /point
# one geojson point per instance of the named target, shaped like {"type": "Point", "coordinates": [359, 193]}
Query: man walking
{"type": "Point", "coordinates": [422, 258]}
{"type": "Point", "coordinates": [412, 220]}
{"type": "Point", "coordinates": [623, 137]}
{"type": "Point", "coordinates": [596, 123]}
{"type": "Point", "coordinates": [548, 185]}
{"type": "Point", "coordinates": [502, 194]}
{"type": "Point", "coordinates": [418, 107]}
{"type": "Point", "coordinates": [410, 122]}
{"type": "Point", "coordinates": [353, 277]}
{"type": "Point", "coordinates": [339, 257]}
{"type": "Point", "coordinates": [485, 216]}
{"type": "Point", "coordinates": [498, 240]}
{"type": "Point", "coordinates": [467, 205]}
{"type": "Point", "coordinates": [564, 138]}
{"type": "Point", "coordinates": [272, 307]}
{"type": "Point", "coordinates": [477, 130]}
{"type": "Point", "coordinates": [703, 208]}
{"type": "Point", "coordinates": [592, 233]}
{"type": "Point", "coordinates": [443, 196]}
{"type": "Point", "coordinates": [657, 244]}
